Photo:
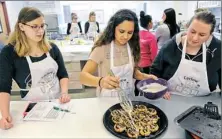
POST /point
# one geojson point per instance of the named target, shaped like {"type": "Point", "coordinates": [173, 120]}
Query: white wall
{"type": "Point", "coordinates": [13, 9]}
{"type": "Point", "coordinates": [156, 8]}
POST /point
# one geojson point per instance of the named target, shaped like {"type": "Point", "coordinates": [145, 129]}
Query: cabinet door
{"type": "Point", "coordinates": [73, 66]}
{"type": "Point", "coordinates": [74, 76]}
{"type": "Point", "coordinates": [75, 85]}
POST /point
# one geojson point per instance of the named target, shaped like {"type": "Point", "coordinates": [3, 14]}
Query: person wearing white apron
{"type": "Point", "coordinates": [92, 31]}
{"type": "Point", "coordinates": [116, 50]}
{"type": "Point", "coordinates": [190, 79]}
{"type": "Point", "coordinates": [38, 77]}
{"type": "Point", "coordinates": [45, 83]}
{"type": "Point", "coordinates": [124, 72]}
{"type": "Point", "coordinates": [74, 30]}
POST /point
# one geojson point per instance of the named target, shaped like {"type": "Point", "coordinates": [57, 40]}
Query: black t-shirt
{"type": "Point", "coordinates": [14, 67]}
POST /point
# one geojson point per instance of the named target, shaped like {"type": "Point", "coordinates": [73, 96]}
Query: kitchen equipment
{"type": "Point", "coordinates": [152, 95]}
{"type": "Point", "coordinates": [204, 122]}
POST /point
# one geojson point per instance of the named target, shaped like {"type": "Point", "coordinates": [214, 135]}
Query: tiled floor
{"type": "Point", "coordinates": [86, 93]}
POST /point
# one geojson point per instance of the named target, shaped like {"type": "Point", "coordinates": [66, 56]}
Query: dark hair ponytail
{"type": "Point", "coordinates": [144, 19]}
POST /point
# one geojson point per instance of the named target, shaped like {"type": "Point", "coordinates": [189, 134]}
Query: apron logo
{"type": "Point", "coordinates": [190, 79]}
{"type": "Point", "coordinates": [47, 82]}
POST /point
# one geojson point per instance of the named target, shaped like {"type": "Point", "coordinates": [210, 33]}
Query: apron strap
{"type": "Point", "coordinates": [29, 60]}
{"type": "Point", "coordinates": [204, 55]}
{"type": "Point", "coordinates": [112, 53]}
{"type": "Point", "coordinates": [48, 54]}
{"type": "Point", "coordinates": [130, 55]}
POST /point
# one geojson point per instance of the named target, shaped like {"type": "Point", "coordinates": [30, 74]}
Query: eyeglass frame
{"type": "Point", "coordinates": [36, 29]}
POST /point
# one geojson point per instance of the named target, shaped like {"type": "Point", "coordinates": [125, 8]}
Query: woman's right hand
{"type": "Point", "coordinates": [6, 122]}
{"type": "Point", "coordinates": [109, 82]}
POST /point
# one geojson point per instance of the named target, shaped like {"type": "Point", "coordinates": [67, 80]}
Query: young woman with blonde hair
{"type": "Point", "coordinates": [92, 26]}
{"type": "Point", "coordinates": [35, 64]}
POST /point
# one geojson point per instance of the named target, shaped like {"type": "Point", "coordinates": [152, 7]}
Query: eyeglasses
{"type": "Point", "coordinates": [36, 27]}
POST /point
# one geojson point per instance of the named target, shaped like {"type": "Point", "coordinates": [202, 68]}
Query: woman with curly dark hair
{"type": "Point", "coordinates": [118, 51]}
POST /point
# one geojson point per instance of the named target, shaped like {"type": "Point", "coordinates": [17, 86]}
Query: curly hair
{"type": "Point", "coordinates": [108, 34]}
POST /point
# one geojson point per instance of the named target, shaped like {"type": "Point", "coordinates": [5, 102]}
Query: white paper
{"type": "Point", "coordinates": [44, 111]}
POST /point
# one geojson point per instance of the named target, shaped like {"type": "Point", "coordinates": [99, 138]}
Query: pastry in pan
{"type": "Point", "coordinates": [119, 127]}
{"type": "Point", "coordinates": [151, 111]}
{"type": "Point", "coordinates": [154, 127]}
{"type": "Point", "coordinates": [145, 131]}
{"type": "Point", "coordinates": [141, 107]}
{"type": "Point", "coordinates": [154, 118]}
{"type": "Point", "coordinates": [132, 133]}
{"type": "Point", "coordinates": [115, 113]}
{"type": "Point", "coordinates": [117, 119]}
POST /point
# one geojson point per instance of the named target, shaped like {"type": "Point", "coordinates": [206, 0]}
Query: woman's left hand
{"type": "Point", "coordinates": [64, 98]}
{"type": "Point", "coordinates": [149, 76]}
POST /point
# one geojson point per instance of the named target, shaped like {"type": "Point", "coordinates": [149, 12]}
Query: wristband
{"type": "Point", "coordinates": [100, 81]}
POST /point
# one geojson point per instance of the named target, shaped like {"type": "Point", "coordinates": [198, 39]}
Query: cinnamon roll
{"type": "Point", "coordinates": [141, 107]}
{"type": "Point", "coordinates": [151, 111]}
{"type": "Point", "coordinates": [145, 131]}
{"type": "Point", "coordinates": [117, 119]}
{"type": "Point", "coordinates": [119, 127]}
{"type": "Point", "coordinates": [154, 127]}
{"type": "Point", "coordinates": [154, 118]}
{"type": "Point", "coordinates": [132, 133]}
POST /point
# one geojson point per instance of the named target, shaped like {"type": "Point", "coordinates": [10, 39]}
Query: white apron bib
{"type": "Point", "coordinates": [45, 83]}
{"type": "Point", "coordinates": [92, 31]}
{"type": "Point", "coordinates": [74, 30]}
{"type": "Point", "coordinates": [124, 72]}
{"type": "Point", "coordinates": [190, 79]}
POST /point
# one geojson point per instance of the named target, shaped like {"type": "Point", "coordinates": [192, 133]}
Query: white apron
{"type": "Point", "coordinates": [74, 30]}
{"type": "Point", "coordinates": [124, 72]}
{"type": "Point", "coordinates": [92, 31]}
{"type": "Point", "coordinates": [190, 79]}
{"type": "Point", "coordinates": [45, 83]}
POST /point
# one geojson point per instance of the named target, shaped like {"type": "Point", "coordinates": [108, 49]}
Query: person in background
{"type": "Point", "coordinates": [116, 50]}
{"type": "Point", "coordinates": [168, 29]}
{"type": "Point", "coordinates": [92, 26]}
{"type": "Point", "coordinates": [33, 63]}
{"type": "Point", "coordinates": [74, 28]}
{"type": "Point", "coordinates": [148, 45]}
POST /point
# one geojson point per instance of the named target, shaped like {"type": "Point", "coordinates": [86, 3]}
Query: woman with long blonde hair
{"type": "Point", "coordinates": [35, 64]}
{"type": "Point", "coordinates": [92, 26]}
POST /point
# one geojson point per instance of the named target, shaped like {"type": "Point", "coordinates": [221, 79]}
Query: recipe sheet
{"type": "Point", "coordinates": [44, 111]}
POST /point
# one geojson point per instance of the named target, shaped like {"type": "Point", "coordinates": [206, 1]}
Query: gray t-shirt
{"type": "Point", "coordinates": [162, 34]}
